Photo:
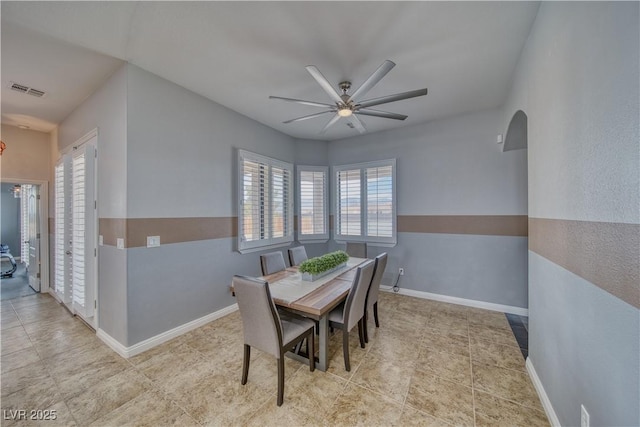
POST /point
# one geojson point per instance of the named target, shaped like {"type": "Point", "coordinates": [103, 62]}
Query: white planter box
{"type": "Point", "coordinates": [313, 277]}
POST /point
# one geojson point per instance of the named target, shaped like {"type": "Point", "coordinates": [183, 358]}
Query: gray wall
{"type": "Point", "coordinates": [578, 82]}
{"type": "Point", "coordinates": [181, 156]}
{"type": "Point", "coordinates": [106, 110]}
{"type": "Point", "coordinates": [10, 233]}
{"type": "Point", "coordinates": [452, 167]}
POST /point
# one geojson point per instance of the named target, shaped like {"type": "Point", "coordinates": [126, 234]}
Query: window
{"type": "Point", "coordinates": [265, 214]}
{"type": "Point", "coordinates": [366, 203]}
{"type": "Point", "coordinates": [313, 223]}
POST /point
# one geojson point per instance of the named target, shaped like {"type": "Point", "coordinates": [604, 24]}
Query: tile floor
{"type": "Point", "coordinates": [429, 364]}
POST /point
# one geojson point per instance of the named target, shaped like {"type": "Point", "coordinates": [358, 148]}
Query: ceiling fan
{"type": "Point", "coordinates": [348, 105]}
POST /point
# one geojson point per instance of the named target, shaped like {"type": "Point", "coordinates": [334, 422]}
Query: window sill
{"type": "Point", "coordinates": [264, 248]}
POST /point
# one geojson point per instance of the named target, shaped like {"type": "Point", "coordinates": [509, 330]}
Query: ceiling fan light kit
{"type": "Point", "coordinates": [347, 106]}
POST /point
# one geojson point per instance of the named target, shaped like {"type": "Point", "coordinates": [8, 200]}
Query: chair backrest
{"type": "Point", "coordinates": [356, 249]}
{"type": "Point", "coordinates": [354, 305]}
{"type": "Point", "coordinates": [260, 319]}
{"type": "Point", "coordinates": [378, 272]}
{"type": "Point", "coordinates": [272, 263]}
{"type": "Point", "coordinates": [297, 255]}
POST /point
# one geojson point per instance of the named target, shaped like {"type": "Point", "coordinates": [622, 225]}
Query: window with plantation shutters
{"type": "Point", "coordinates": [365, 202]}
{"type": "Point", "coordinates": [313, 224]}
{"type": "Point", "coordinates": [265, 194]}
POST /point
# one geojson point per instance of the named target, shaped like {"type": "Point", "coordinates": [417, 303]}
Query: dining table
{"type": "Point", "coordinates": [313, 299]}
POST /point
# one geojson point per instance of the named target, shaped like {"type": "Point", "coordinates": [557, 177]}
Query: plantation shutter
{"type": "Point", "coordinates": [349, 203]}
{"type": "Point", "coordinates": [59, 231]}
{"type": "Point", "coordinates": [78, 168]}
{"type": "Point", "coordinates": [83, 235]}
{"type": "Point", "coordinates": [380, 201]}
{"type": "Point", "coordinates": [24, 228]}
{"type": "Point", "coordinates": [312, 203]}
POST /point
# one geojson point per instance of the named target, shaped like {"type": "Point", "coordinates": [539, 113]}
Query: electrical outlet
{"type": "Point", "coordinates": [120, 243]}
{"type": "Point", "coordinates": [584, 417]}
{"type": "Point", "coordinates": [401, 271]}
{"type": "Point", "coordinates": [153, 241]}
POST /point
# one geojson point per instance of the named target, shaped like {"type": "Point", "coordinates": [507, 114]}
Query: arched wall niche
{"type": "Point", "coordinates": [516, 138]}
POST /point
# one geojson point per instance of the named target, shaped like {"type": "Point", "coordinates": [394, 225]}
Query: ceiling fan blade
{"type": "Point", "coordinates": [373, 79]}
{"type": "Point", "coordinates": [391, 98]}
{"type": "Point", "coordinates": [378, 113]}
{"type": "Point", "coordinates": [357, 123]}
{"type": "Point", "coordinates": [310, 116]}
{"type": "Point", "coordinates": [322, 81]}
{"type": "Point", "coordinates": [303, 102]}
{"type": "Point", "coordinates": [331, 122]}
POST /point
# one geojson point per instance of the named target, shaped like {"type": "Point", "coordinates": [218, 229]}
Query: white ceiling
{"type": "Point", "coordinates": [239, 53]}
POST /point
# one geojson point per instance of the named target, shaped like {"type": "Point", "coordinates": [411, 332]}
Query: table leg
{"type": "Point", "coordinates": [323, 341]}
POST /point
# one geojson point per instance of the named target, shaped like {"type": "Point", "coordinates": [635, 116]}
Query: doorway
{"type": "Point", "coordinates": [25, 234]}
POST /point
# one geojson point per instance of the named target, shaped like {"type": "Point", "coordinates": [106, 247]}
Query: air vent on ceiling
{"type": "Point", "coordinates": [26, 89]}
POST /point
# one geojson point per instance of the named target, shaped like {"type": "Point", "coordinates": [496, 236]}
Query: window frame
{"type": "Point", "coordinates": [363, 237]}
{"type": "Point", "coordinates": [261, 244]}
{"type": "Point", "coordinates": [320, 237]}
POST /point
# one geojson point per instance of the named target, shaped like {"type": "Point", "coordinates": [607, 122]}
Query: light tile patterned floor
{"type": "Point", "coordinates": [429, 364]}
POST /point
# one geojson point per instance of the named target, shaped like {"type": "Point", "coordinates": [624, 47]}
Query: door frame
{"type": "Point", "coordinates": [43, 223]}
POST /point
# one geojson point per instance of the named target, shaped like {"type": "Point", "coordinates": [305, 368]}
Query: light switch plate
{"type": "Point", "coordinates": [153, 241]}
{"type": "Point", "coordinates": [100, 240]}
{"type": "Point", "coordinates": [120, 243]}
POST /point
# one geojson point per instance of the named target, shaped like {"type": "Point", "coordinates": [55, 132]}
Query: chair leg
{"type": "Point", "coordinates": [345, 349]}
{"type": "Point", "coordinates": [245, 363]}
{"type": "Point", "coordinates": [311, 351]}
{"type": "Point", "coordinates": [375, 313]}
{"type": "Point", "coordinates": [366, 328]}
{"type": "Point", "coordinates": [361, 333]}
{"type": "Point", "coordinates": [280, 380]}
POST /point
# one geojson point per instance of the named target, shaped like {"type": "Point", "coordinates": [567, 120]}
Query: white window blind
{"type": "Point", "coordinates": [59, 231]}
{"type": "Point", "coordinates": [365, 202]}
{"type": "Point", "coordinates": [265, 214]}
{"type": "Point", "coordinates": [312, 203]}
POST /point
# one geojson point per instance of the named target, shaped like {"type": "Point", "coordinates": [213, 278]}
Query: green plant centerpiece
{"type": "Point", "coordinates": [314, 268]}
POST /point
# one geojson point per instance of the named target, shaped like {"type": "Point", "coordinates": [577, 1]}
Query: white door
{"type": "Point", "coordinates": [83, 231]}
{"type": "Point", "coordinates": [32, 194]}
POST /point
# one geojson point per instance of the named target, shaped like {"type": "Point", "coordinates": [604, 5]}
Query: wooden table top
{"type": "Point", "coordinates": [321, 300]}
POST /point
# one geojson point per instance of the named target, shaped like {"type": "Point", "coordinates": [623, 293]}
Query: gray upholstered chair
{"type": "Point", "coordinates": [265, 330]}
{"type": "Point", "coordinates": [351, 312]}
{"type": "Point", "coordinates": [374, 290]}
{"type": "Point", "coordinates": [356, 249]}
{"type": "Point", "coordinates": [272, 263]}
{"type": "Point", "coordinates": [297, 255]}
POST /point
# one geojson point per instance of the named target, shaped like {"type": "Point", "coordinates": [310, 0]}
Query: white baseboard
{"type": "Point", "coordinates": [460, 301]}
{"type": "Point", "coordinates": [149, 343]}
{"type": "Point", "coordinates": [544, 399]}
